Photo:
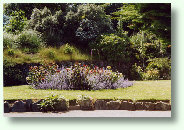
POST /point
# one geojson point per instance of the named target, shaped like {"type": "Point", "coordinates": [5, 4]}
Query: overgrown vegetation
{"type": "Point", "coordinates": [135, 39]}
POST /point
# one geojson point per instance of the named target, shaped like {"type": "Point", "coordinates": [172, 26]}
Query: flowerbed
{"type": "Point", "coordinates": [76, 77]}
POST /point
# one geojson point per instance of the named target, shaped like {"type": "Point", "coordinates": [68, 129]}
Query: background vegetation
{"type": "Point", "coordinates": [134, 39]}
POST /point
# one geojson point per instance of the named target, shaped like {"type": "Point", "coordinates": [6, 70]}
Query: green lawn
{"type": "Point", "coordinates": [141, 90]}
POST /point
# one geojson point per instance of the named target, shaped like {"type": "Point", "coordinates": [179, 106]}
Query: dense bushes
{"type": "Point", "coordinates": [88, 27]}
{"type": "Point", "coordinates": [48, 24]}
{"type": "Point", "coordinates": [29, 41]}
{"type": "Point", "coordinates": [113, 48]}
{"type": "Point", "coordinates": [77, 77]}
{"type": "Point", "coordinates": [9, 40]}
{"type": "Point", "coordinates": [157, 68]}
{"type": "Point", "coordinates": [162, 65]}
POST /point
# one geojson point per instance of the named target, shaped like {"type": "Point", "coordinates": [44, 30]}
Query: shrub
{"type": "Point", "coordinates": [53, 103]}
{"type": "Point", "coordinates": [76, 77]}
{"type": "Point", "coordinates": [68, 49]}
{"type": "Point", "coordinates": [113, 48]}
{"type": "Point", "coordinates": [152, 74]}
{"type": "Point", "coordinates": [17, 22]}
{"type": "Point", "coordinates": [11, 52]}
{"type": "Point", "coordinates": [162, 65]}
{"type": "Point", "coordinates": [9, 40]}
{"type": "Point", "coordinates": [51, 55]}
{"type": "Point", "coordinates": [29, 41]}
{"type": "Point", "coordinates": [50, 25]}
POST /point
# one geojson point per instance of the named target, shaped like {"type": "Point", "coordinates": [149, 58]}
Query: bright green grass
{"type": "Point", "coordinates": [141, 90]}
{"type": "Point", "coordinates": [43, 55]}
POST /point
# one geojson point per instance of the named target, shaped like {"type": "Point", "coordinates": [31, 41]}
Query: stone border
{"type": "Point", "coordinates": [100, 104]}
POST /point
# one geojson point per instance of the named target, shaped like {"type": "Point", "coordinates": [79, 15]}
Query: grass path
{"type": "Point", "coordinates": [141, 90]}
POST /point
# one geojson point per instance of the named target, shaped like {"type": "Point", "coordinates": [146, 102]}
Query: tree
{"type": "Point", "coordinates": [157, 17]}
{"type": "Point", "coordinates": [28, 7]}
{"type": "Point", "coordinates": [17, 22]}
{"type": "Point", "coordinates": [89, 22]}
{"type": "Point", "coordinates": [50, 25]}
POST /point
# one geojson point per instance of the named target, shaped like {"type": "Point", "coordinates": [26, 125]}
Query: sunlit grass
{"type": "Point", "coordinates": [50, 54]}
{"type": "Point", "coordinates": [141, 90]}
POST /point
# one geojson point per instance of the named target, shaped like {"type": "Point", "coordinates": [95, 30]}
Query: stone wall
{"type": "Point", "coordinates": [100, 104]}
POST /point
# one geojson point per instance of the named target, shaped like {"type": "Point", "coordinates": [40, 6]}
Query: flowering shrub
{"type": "Point", "coordinates": [38, 74]}
{"type": "Point", "coordinates": [77, 77]}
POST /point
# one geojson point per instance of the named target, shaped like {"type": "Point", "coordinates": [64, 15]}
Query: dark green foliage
{"type": "Point", "coordinates": [51, 55]}
{"type": "Point", "coordinates": [14, 74]}
{"type": "Point", "coordinates": [11, 52]}
{"type": "Point", "coordinates": [29, 41]}
{"type": "Point", "coordinates": [140, 32]}
{"type": "Point", "coordinates": [113, 48]}
{"type": "Point", "coordinates": [87, 23]}
{"type": "Point", "coordinates": [157, 17]}
{"type": "Point", "coordinates": [28, 7]}
{"type": "Point", "coordinates": [16, 23]}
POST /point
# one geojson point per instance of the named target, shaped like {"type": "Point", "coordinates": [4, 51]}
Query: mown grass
{"type": "Point", "coordinates": [50, 54]}
{"type": "Point", "coordinates": [141, 90]}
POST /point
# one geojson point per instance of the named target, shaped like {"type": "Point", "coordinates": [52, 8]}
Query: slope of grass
{"type": "Point", "coordinates": [50, 54]}
{"type": "Point", "coordinates": [141, 90]}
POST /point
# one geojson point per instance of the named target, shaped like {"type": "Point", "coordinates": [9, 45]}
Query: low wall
{"type": "Point", "coordinates": [100, 104]}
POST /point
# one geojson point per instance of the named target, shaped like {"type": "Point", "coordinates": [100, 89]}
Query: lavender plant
{"type": "Point", "coordinates": [78, 77]}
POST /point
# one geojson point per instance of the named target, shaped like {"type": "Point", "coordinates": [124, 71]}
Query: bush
{"type": "Point", "coordinates": [157, 68]}
{"type": "Point", "coordinates": [17, 22]}
{"type": "Point", "coordinates": [113, 48]}
{"type": "Point", "coordinates": [51, 55]}
{"type": "Point", "coordinates": [50, 25]}
{"type": "Point", "coordinates": [76, 77]}
{"type": "Point", "coordinates": [9, 41]}
{"type": "Point", "coordinates": [29, 41]}
{"type": "Point", "coordinates": [54, 103]}
{"type": "Point", "coordinates": [68, 49]}
{"type": "Point", "coordinates": [11, 52]}
{"type": "Point", "coordinates": [162, 65]}
{"type": "Point", "coordinates": [152, 74]}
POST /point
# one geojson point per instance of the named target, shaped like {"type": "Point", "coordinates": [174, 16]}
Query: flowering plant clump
{"type": "Point", "coordinates": [37, 74]}
{"type": "Point", "coordinates": [76, 77]}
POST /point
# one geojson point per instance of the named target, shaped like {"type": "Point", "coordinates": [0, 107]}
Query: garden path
{"type": "Point", "coordinates": [95, 113]}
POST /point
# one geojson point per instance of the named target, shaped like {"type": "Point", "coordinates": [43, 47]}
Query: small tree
{"type": "Point", "coordinates": [17, 22]}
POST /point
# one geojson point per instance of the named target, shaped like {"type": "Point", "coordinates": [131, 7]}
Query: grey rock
{"type": "Point", "coordinates": [61, 106]}
{"type": "Point", "coordinates": [162, 106]}
{"type": "Point", "coordinates": [113, 105]}
{"type": "Point", "coordinates": [127, 105]}
{"type": "Point", "coordinates": [86, 104]}
{"type": "Point", "coordinates": [28, 105]}
{"type": "Point", "coordinates": [6, 107]}
{"type": "Point", "coordinates": [100, 105]}
{"type": "Point", "coordinates": [19, 106]}
{"type": "Point", "coordinates": [139, 106]}
{"type": "Point", "coordinates": [35, 106]}
{"type": "Point", "coordinates": [149, 106]}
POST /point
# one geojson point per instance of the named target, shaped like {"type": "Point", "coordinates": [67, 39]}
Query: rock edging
{"type": "Point", "coordinates": [100, 104]}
